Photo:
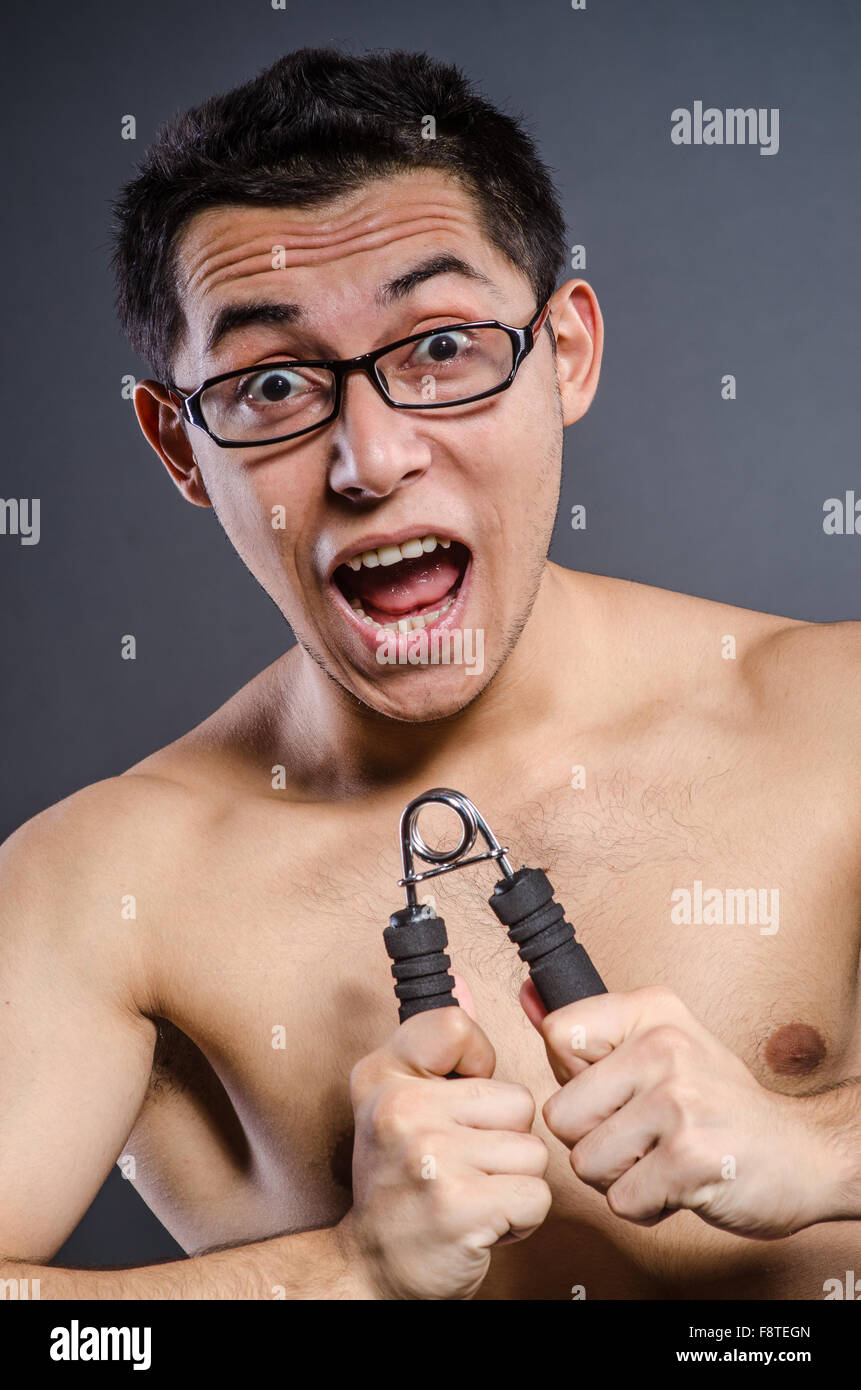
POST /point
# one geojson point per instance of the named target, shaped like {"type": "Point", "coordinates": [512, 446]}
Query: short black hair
{"type": "Point", "coordinates": [317, 124]}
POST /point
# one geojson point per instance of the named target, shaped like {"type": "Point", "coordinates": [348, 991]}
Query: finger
{"type": "Point", "coordinates": [531, 1004]}
{"type": "Point", "coordinates": [642, 1194]}
{"type": "Point", "coordinates": [463, 994]}
{"type": "Point", "coordinates": [522, 1203]}
{"type": "Point", "coordinates": [591, 1028]}
{"type": "Point", "coordinates": [597, 1092]}
{"type": "Point", "coordinates": [472, 1102]}
{"type": "Point", "coordinates": [441, 1041]}
{"type": "Point", "coordinates": [495, 1153]}
{"type": "Point", "coordinates": [580, 1034]}
{"type": "Point", "coordinates": [608, 1151]}
{"type": "Point", "coordinates": [503, 1151]}
{"type": "Point", "coordinates": [485, 1210]}
{"type": "Point", "coordinates": [482, 1104]}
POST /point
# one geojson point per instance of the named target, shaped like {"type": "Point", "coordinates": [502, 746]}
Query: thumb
{"type": "Point", "coordinates": [530, 1002]}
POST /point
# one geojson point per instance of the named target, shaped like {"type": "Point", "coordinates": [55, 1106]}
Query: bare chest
{"type": "Point", "coordinates": [280, 982]}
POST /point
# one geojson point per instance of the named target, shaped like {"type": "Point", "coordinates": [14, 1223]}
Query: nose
{"type": "Point", "coordinates": [377, 449]}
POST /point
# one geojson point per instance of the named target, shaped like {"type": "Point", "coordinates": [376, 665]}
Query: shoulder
{"type": "Point", "coordinates": [86, 831]}
{"type": "Point", "coordinates": [785, 676]}
{"type": "Point", "coordinates": [813, 672]}
{"type": "Point", "coordinates": [777, 677]}
{"type": "Point", "coordinates": [86, 884]}
{"type": "Point", "coordinates": [804, 682]}
{"type": "Point", "coordinates": [775, 656]}
{"type": "Point", "coordinates": [791, 694]}
{"type": "Point", "coordinates": [142, 834]}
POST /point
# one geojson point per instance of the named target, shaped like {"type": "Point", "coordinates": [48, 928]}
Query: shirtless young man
{"type": "Point", "coordinates": [713, 1147]}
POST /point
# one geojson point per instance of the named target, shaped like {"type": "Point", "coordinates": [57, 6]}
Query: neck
{"type": "Point", "coordinates": [341, 744]}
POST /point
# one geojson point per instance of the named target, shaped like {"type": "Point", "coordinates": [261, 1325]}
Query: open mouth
{"type": "Point", "coordinates": [404, 587]}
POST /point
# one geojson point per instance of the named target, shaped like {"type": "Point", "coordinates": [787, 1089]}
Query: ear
{"type": "Point", "coordinates": [579, 328]}
{"type": "Point", "coordinates": [160, 419]}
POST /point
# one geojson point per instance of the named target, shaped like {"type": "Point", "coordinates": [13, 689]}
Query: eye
{"type": "Point", "coordinates": [442, 346]}
{"type": "Point", "coordinates": [271, 386]}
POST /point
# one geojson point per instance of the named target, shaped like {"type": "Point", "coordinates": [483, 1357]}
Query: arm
{"type": "Point", "coordinates": [312, 1265]}
{"type": "Point", "coordinates": [76, 1048]}
{"type": "Point", "coordinates": [75, 1060]}
{"type": "Point", "coordinates": [657, 1113]}
{"type": "Point", "coordinates": [836, 1113]}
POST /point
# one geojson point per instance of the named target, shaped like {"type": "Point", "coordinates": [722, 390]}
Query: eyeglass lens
{"type": "Point", "coordinates": [446, 367]}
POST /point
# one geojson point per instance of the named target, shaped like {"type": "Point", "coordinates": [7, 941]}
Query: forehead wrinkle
{"type": "Point", "coordinates": [223, 267]}
{"type": "Point", "coordinates": [369, 212]}
{"type": "Point", "coordinates": [311, 229]}
{"type": "Point", "coordinates": [217, 262]}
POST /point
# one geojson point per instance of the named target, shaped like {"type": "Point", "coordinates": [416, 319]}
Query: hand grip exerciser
{"type": "Point", "coordinates": [523, 902]}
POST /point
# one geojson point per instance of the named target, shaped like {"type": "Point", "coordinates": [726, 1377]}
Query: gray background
{"type": "Point", "coordinates": [706, 261]}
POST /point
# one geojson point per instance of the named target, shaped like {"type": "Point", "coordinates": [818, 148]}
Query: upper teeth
{"type": "Point", "coordinates": [391, 554]}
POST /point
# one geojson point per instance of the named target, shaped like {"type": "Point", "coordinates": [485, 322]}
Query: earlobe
{"type": "Point", "coordinates": [579, 329]}
{"type": "Point", "coordinates": [164, 429]}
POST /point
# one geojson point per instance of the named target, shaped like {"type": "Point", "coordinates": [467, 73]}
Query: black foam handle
{"type": "Point", "coordinates": [416, 941]}
{"type": "Point", "coordinates": [560, 967]}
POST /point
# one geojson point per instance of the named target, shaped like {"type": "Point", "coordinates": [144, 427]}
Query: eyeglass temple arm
{"type": "Point", "coordinates": [537, 323]}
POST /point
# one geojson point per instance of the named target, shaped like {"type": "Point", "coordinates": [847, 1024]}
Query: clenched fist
{"type": "Point", "coordinates": [659, 1115]}
{"type": "Point", "coordinates": [443, 1170]}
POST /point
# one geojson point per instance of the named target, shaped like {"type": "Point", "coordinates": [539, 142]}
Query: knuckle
{"type": "Point", "coordinates": [525, 1154]}
{"type": "Point", "coordinates": [523, 1102]}
{"type": "Point", "coordinates": [395, 1112]}
{"type": "Point", "coordinates": [536, 1195]}
{"type": "Point", "coordinates": [583, 1162]}
{"type": "Point", "coordinates": [536, 1152]}
{"type": "Point", "coordinates": [419, 1146]}
{"type": "Point", "coordinates": [624, 1201]}
{"type": "Point", "coordinates": [556, 1112]}
{"type": "Point", "coordinates": [557, 1034]}
{"type": "Point", "coordinates": [661, 1000]}
{"type": "Point", "coordinates": [455, 1024]}
{"type": "Point", "coordinates": [473, 1089]}
{"type": "Point", "coordinates": [449, 1201]}
{"type": "Point", "coordinates": [549, 1109]}
{"type": "Point", "coordinates": [675, 1100]}
{"type": "Point", "coordinates": [684, 1151]}
{"type": "Point", "coordinates": [364, 1076]}
{"type": "Point", "coordinates": [668, 1041]}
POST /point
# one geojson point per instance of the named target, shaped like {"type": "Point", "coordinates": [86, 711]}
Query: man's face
{"type": "Point", "coordinates": [483, 477]}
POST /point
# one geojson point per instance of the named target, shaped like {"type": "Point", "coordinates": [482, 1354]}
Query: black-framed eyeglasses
{"type": "Point", "coordinates": [434, 370]}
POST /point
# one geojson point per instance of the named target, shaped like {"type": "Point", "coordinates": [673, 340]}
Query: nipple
{"type": "Point", "coordinates": [796, 1049]}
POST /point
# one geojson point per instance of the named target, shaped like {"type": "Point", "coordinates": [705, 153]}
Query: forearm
{"type": "Point", "coordinates": [836, 1115]}
{"type": "Point", "coordinates": [311, 1265]}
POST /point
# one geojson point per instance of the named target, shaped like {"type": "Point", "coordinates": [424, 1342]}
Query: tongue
{"type": "Point", "coordinates": [410, 584]}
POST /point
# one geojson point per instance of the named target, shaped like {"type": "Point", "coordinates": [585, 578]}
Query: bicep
{"type": "Point", "coordinates": [74, 1067]}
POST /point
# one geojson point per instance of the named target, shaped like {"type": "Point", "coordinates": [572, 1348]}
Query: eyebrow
{"type": "Point", "coordinates": [232, 317]}
{"type": "Point", "coordinates": [443, 263]}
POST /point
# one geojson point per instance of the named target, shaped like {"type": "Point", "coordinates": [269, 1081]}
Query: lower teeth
{"type": "Point", "coordinates": [403, 625]}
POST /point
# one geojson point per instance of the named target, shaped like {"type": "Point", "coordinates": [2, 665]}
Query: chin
{"type": "Point", "coordinates": [413, 698]}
